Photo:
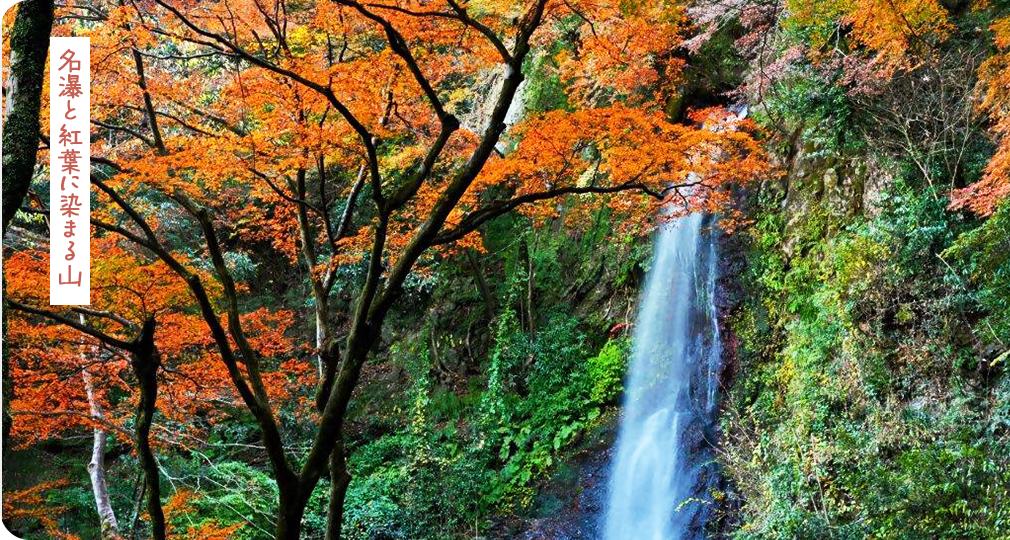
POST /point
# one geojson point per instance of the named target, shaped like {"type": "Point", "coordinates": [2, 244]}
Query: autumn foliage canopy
{"type": "Point", "coordinates": [323, 154]}
{"type": "Point", "coordinates": [330, 139]}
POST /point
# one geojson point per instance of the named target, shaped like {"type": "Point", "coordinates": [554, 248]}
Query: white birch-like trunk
{"type": "Point", "coordinates": [320, 340]}
{"type": "Point", "coordinates": [96, 467]}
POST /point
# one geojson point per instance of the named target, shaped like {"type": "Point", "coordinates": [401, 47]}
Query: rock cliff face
{"type": "Point", "coordinates": [819, 183]}
{"type": "Point", "coordinates": [817, 190]}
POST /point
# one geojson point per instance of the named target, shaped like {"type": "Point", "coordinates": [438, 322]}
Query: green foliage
{"type": "Point", "coordinates": [544, 90]}
{"type": "Point", "coordinates": [439, 472]}
{"type": "Point", "coordinates": [226, 493]}
{"type": "Point", "coordinates": [984, 253]}
{"type": "Point", "coordinates": [871, 401]}
{"type": "Point", "coordinates": [74, 501]}
{"type": "Point", "coordinates": [818, 103]}
{"type": "Point", "coordinates": [399, 486]}
{"type": "Point", "coordinates": [606, 371]}
{"type": "Point", "coordinates": [537, 401]}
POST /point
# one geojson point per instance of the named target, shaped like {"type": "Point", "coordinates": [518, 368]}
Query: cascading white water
{"type": "Point", "coordinates": [659, 470]}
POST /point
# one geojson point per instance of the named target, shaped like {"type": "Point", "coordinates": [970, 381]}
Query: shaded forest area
{"type": "Point", "coordinates": [370, 270]}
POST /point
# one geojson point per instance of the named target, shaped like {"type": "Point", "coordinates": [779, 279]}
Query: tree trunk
{"type": "Point", "coordinates": [339, 477]}
{"type": "Point", "coordinates": [23, 98]}
{"type": "Point", "coordinates": [289, 521]}
{"type": "Point", "coordinates": [478, 275]}
{"type": "Point", "coordinates": [339, 480]}
{"type": "Point", "coordinates": [138, 497]}
{"type": "Point", "coordinates": [96, 467]}
{"type": "Point", "coordinates": [321, 338]}
{"type": "Point", "coordinates": [29, 46]}
{"type": "Point", "coordinates": [99, 487]}
{"type": "Point", "coordinates": [145, 362]}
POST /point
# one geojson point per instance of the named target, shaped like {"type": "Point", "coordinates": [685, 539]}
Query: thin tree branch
{"type": "Point", "coordinates": [474, 220]}
{"type": "Point", "coordinates": [97, 334]}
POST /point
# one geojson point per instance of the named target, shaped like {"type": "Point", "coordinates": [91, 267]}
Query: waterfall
{"type": "Point", "coordinates": [660, 471]}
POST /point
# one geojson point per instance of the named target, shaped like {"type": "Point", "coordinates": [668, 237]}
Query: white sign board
{"type": "Point", "coordinates": [70, 170]}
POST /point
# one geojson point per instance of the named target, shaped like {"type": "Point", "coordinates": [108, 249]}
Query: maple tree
{"type": "Point", "coordinates": [994, 83]}
{"type": "Point", "coordinates": [895, 33]}
{"type": "Point", "coordinates": [343, 135]}
{"type": "Point", "coordinates": [353, 146]}
{"type": "Point", "coordinates": [902, 36]}
{"type": "Point", "coordinates": [68, 379]}
{"type": "Point", "coordinates": [863, 46]}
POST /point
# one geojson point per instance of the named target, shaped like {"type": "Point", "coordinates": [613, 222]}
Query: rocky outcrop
{"type": "Point", "coordinates": [821, 184]}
